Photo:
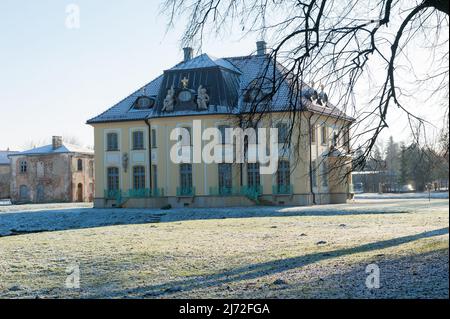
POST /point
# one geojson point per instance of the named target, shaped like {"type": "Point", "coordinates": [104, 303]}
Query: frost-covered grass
{"type": "Point", "coordinates": [258, 252]}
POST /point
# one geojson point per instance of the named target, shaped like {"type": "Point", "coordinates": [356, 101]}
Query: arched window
{"type": "Point", "coordinates": [80, 165]}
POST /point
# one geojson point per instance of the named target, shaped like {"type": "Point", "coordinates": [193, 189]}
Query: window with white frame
{"type": "Point", "coordinates": [112, 178]}
{"type": "Point", "coordinates": [138, 140]}
{"type": "Point", "coordinates": [138, 177]}
{"type": "Point", "coordinates": [282, 133]}
{"type": "Point", "coordinates": [112, 142]}
{"type": "Point", "coordinates": [323, 134]}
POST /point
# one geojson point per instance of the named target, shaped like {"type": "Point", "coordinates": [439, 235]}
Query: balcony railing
{"type": "Point", "coordinates": [282, 189]}
{"type": "Point", "coordinates": [186, 191]}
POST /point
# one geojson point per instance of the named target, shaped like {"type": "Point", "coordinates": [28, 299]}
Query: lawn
{"type": "Point", "coordinates": [258, 252]}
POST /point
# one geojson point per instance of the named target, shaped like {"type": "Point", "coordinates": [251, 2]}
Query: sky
{"type": "Point", "coordinates": [53, 77]}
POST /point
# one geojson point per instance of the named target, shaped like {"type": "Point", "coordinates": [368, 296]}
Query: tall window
{"type": "Point", "coordinates": [324, 174]}
{"type": "Point", "coordinates": [186, 136]}
{"type": "Point", "coordinates": [313, 134]}
{"type": "Point", "coordinates": [79, 165]}
{"type": "Point", "coordinates": [314, 173]}
{"type": "Point", "coordinates": [91, 169]}
{"type": "Point", "coordinates": [112, 142]}
{"type": "Point", "coordinates": [23, 166]}
{"type": "Point", "coordinates": [154, 177]}
{"type": "Point", "coordinates": [186, 176]}
{"type": "Point", "coordinates": [223, 132]}
{"type": "Point", "coordinates": [253, 177]}
{"type": "Point", "coordinates": [225, 181]}
{"type": "Point", "coordinates": [138, 177]}
{"type": "Point", "coordinates": [282, 133]}
{"type": "Point", "coordinates": [113, 178]}
{"type": "Point", "coordinates": [283, 175]}
{"type": "Point", "coordinates": [138, 140]}
{"type": "Point", "coordinates": [323, 134]}
{"type": "Point", "coordinates": [335, 139]}
{"type": "Point", "coordinates": [153, 138]}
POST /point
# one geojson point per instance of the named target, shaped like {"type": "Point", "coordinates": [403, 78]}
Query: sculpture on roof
{"type": "Point", "coordinates": [202, 98]}
{"type": "Point", "coordinates": [169, 100]}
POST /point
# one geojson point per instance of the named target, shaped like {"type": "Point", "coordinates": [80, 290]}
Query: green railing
{"type": "Point", "coordinates": [282, 189]}
{"type": "Point", "coordinates": [119, 195]}
{"type": "Point", "coordinates": [186, 191]}
{"type": "Point", "coordinates": [251, 192]}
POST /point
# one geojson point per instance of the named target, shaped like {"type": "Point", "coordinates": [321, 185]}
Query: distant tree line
{"type": "Point", "coordinates": [400, 164]}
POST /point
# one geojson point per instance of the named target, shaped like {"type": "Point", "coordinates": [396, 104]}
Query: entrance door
{"type": "Point", "coordinates": [80, 192]}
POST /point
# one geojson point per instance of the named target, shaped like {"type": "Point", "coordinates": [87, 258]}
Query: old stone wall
{"type": "Point", "coordinates": [82, 168]}
{"type": "Point", "coordinates": [5, 179]}
{"type": "Point", "coordinates": [47, 178]}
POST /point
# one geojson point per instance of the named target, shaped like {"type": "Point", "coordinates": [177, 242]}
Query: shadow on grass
{"type": "Point", "coordinates": [24, 222]}
{"type": "Point", "coordinates": [423, 275]}
{"type": "Point", "coordinates": [267, 268]}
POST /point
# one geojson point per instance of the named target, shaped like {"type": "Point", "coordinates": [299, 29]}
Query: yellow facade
{"type": "Point", "coordinates": [166, 174]}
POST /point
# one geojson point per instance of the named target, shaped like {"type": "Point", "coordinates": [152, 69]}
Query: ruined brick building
{"type": "Point", "coordinates": [5, 173]}
{"type": "Point", "coordinates": [58, 172]}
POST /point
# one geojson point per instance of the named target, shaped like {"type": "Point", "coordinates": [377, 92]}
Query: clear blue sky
{"type": "Point", "coordinates": [52, 79]}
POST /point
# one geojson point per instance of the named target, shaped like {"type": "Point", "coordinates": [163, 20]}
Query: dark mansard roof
{"type": "Point", "coordinates": [228, 83]}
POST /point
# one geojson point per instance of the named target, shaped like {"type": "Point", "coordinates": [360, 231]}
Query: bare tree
{"type": "Point", "coordinates": [331, 42]}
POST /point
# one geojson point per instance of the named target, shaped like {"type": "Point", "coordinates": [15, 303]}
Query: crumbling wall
{"type": "Point", "coordinates": [5, 180]}
{"type": "Point", "coordinates": [47, 179]}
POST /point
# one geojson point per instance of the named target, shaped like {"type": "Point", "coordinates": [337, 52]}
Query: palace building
{"type": "Point", "coordinates": [134, 166]}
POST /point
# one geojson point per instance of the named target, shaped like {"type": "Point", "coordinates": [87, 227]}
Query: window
{"type": "Point", "coordinates": [153, 138]}
{"type": "Point", "coordinates": [186, 176]}
{"type": "Point", "coordinates": [112, 142]}
{"type": "Point", "coordinates": [154, 177]}
{"type": "Point", "coordinates": [23, 166]}
{"type": "Point", "coordinates": [225, 181]}
{"type": "Point", "coordinates": [91, 169]}
{"type": "Point", "coordinates": [223, 133]}
{"type": "Point", "coordinates": [282, 133]}
{"type": "Point", "coordinates": [313, 134]}
{"type": "Point", "coordinates": [138, 140]}
{"type": "Point", "coordinates": [185, 137]}
{"type": "Point", "coordinates": [138, 177]}
{"type": "Point", "coordinates": [314, 173]}
{"type": "Point", "coordinates": [324, 134]}
{"type": "Point", "coordinates": [253, 177]}
{"type": "Point", "coordinates": [144, 102]}
{"type": "Point", "coordinates": [80, 165]}
{"type": "Point", "coordinates": [324, 173]}
{"type": "Point", "coordinates": [335, 139]}
{"type": "Point", "coordinates": [113, 178]}
{"type": "Point", "coordinates": [283, 174]}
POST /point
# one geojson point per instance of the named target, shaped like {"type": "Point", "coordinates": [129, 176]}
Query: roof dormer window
{"type": "Point", "coordinates": [144, 103]}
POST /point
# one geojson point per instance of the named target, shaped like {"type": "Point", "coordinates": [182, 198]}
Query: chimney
{"type": "Point", "coordinates": [188, 53]}
{"type": "Point", "coordinates": [261, 47]}
{"type": "Point", "coordinates": [56, 142]}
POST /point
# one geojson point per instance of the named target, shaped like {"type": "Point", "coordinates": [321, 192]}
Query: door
{"type": "Point", "coordinates": [80, 192]}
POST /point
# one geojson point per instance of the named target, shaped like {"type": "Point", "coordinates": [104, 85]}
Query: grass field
{"type": "Point", "coordinates": [259, 252]}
